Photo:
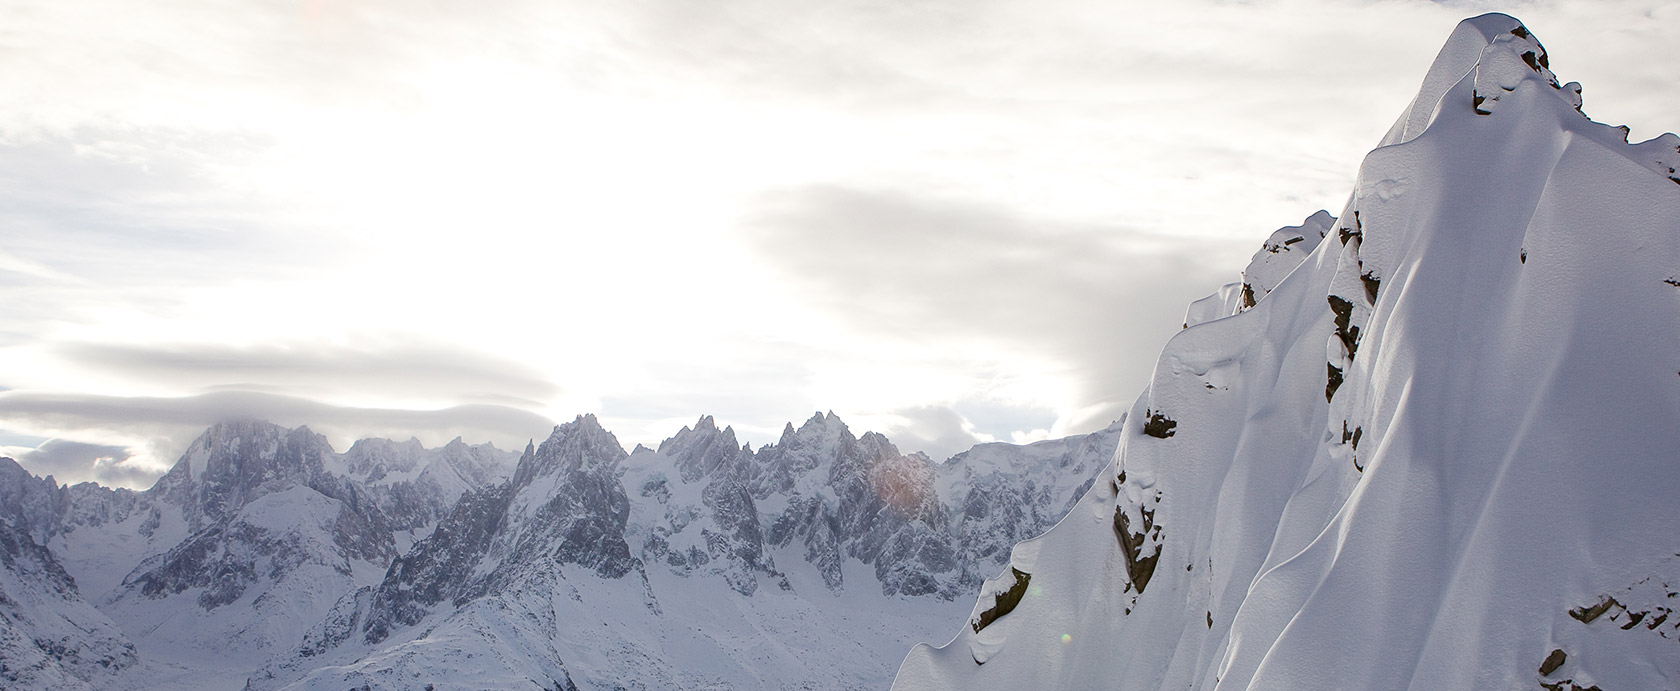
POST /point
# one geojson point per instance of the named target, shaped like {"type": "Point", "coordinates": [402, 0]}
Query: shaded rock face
{"type": "Point", "coordinates": [438, 569]}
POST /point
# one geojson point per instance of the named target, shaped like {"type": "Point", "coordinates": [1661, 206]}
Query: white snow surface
{"type": "Point", "coordinates": [1492, 478]}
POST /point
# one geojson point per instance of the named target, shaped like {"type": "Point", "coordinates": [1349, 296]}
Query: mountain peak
{"type": "Point", "coordinates": [1368, 461]}
{"type": "Point", "coordinates": [580, 444]}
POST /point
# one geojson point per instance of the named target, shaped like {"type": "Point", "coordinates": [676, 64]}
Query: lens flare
{"type": "Point", "coordinates": [1067, 638]}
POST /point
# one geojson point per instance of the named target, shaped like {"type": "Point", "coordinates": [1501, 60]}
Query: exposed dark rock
{"type": "Point", "coordinates": [1139, 567]}
{"type": "Point", "coordinates": [1371, 284]}
{"type": "Point", "coordinates": [1346, 331]}
{"type": "Point", "coordinates": [1158, 425]}
{"type": "Point", "coordinates": [1004, 602]}
{"type": "Point", "coordinates": [1552, 663]}
{"type": "Point", "coordinates": [1345, 233]}
{"type": "Point", "coordinates": [1333, 381]}
{"type": "Point", "coordinates": [1586, 615]}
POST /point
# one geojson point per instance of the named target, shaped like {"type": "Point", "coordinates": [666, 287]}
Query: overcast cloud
{"type": "Point", "coordinates": [946, 220]}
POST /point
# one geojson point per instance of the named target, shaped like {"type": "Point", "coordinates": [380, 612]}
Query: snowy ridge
{"type": "Point", "coordinates": [1436, 454]}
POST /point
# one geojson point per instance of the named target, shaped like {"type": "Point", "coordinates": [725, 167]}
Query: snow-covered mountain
{"type": "Point", "coordinates": [1431, 443]}
{"type": "Point", "coordinates": [265, 554]}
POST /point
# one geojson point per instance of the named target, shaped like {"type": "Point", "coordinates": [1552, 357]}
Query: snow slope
{"type": "Point", "coordinates": [1439, 453]}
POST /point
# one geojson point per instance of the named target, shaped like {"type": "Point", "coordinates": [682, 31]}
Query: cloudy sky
{"type": "Point", "coordinates": [946, 220]}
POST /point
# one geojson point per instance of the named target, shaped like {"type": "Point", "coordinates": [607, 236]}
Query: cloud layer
{"type": "Point", "coordinates": [947, 220]}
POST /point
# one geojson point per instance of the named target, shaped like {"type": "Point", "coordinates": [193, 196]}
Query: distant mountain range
{"type": "Point", "coordinates": [265, 559]}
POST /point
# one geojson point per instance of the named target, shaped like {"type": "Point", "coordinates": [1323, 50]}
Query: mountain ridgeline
{"type": "Point", "coordinates": [266, 559]}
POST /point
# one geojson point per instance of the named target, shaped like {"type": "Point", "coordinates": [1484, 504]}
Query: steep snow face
{"type": "Point", "coordinates": [1437, 454]}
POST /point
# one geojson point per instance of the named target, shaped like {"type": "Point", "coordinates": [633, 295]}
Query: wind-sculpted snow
{"type": "Point", "coordinates": [1438, 453]}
